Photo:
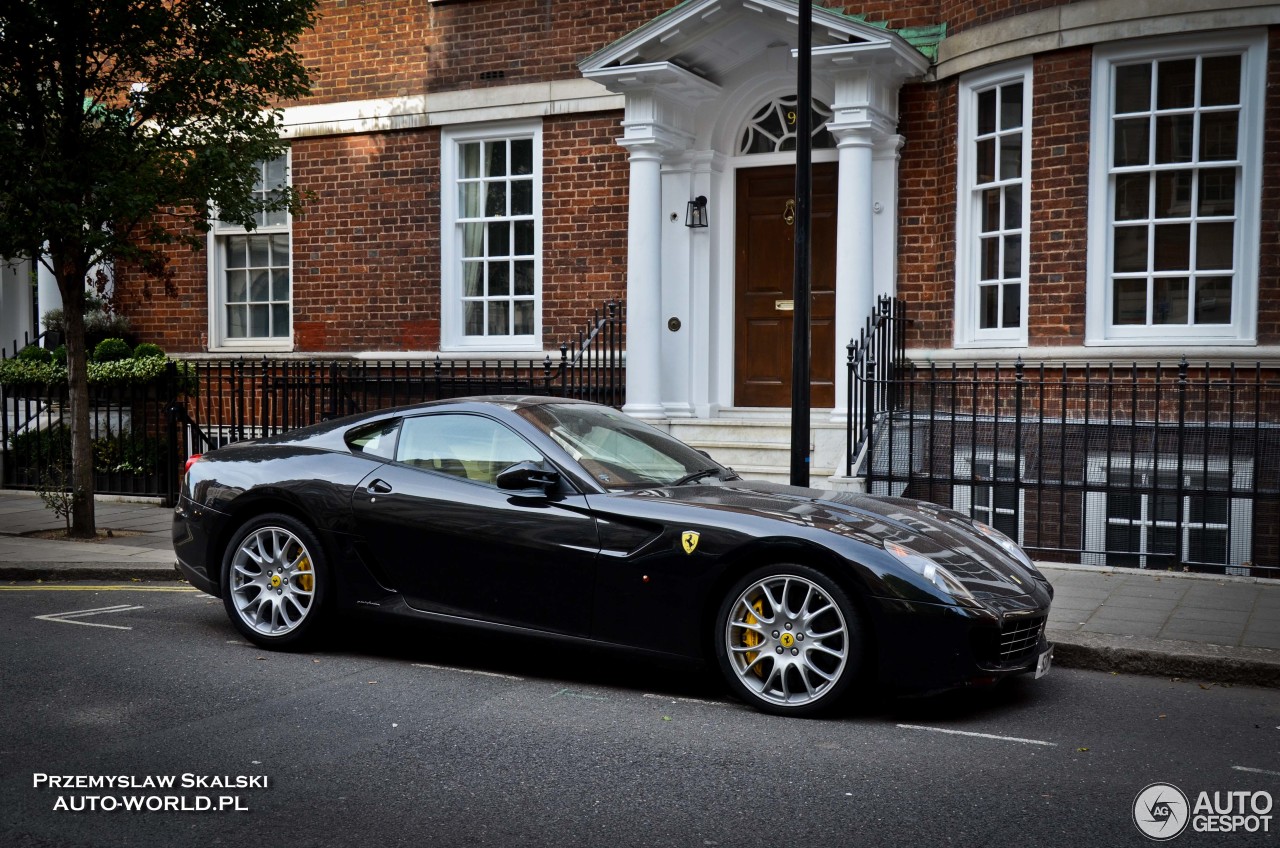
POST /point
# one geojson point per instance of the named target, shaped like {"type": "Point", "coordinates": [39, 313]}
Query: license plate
{"type": "Point", "coordinates": [1043, 663]}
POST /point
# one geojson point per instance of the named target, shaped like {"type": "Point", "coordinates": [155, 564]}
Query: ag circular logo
{"type": "Point", "coordinates": [1161, 811]}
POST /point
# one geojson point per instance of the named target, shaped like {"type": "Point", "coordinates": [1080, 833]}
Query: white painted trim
{"type": "Point", "coordinates": [452, 338]}
{"type": "Point", "coordinates": [468, 106]}
{"type": "Point", "coordinates": [968, 229]}
{"type": "Point", "coordinates": [1089, 23]}
{"type": "Point", "coordinates": [1169, 355]}
{"type": "Point", "coordinates": [1243, 329]}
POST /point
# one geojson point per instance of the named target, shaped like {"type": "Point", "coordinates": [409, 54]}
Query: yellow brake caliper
{"type": "Point", "coordinates": [306, 582]}
{"type": "Point", "coordinates": [750, 639]}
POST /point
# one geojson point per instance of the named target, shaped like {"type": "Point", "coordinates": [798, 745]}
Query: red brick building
{"type": "Point", "coordinates": [1057, 181]}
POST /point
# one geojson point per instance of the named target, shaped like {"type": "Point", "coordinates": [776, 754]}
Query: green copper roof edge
{"type": "Point", "coordinates": [923, 38]}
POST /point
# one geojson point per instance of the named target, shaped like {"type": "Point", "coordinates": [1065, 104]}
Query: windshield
{"type": "Point", "coordinates": [621, 452]}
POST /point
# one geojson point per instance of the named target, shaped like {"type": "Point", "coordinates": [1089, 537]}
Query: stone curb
{"type": "Point", "coordinates": [1164, 658]}
{"type": "Point", "coordinates": [53, 572]}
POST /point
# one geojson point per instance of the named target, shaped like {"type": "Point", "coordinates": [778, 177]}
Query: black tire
{"type": "Point", "coordinates": [788, 640]}
{"type": "Point", "coordinates": [276, 582]}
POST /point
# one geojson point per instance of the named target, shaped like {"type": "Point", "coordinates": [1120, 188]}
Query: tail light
{"type": "Point", "coordinates": [191, 460]}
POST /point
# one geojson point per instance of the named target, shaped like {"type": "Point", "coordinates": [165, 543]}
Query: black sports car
{"type": "Point", "coordinates": [564, 519]}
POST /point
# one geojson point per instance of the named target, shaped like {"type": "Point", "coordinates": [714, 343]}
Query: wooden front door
{"type": "Point", "coordinates": [764, 271]}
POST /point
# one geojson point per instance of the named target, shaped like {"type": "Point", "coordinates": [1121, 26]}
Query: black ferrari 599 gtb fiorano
{"type": "Point", "coordinates": [550, 518]}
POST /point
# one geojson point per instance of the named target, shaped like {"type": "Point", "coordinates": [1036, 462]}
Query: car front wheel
{"type": "Point", "coordinates": [788, 640]}
{"type": "Point", "coordinates": [274, 582]}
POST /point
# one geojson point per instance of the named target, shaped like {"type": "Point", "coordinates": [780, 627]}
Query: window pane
{"type": "Point", "coordinates": [236, 323]}
{"type": "Point", "coordinates": [499, 279]}
{"type": "Point", "coordinates": [279, 285]}
{"type": "Point", "coordinates": [1133, 88]}
{"type": "Point", "coordinates": [1013, 207]}
{"type": "Point", "coordinates": [280, 251]}
{"type": "Point", "coordinates": [1013, 304]}
{"type": "Point", "coordinates": [499, 318]}
{"type": "Point", "coordinates": [990, 269]}
{"type": "Point", "coordinates": [497, 164]}
{"type": "Point", "coordinates": [259, 251]}
{"type": "Point", "coordinates": [472, 282]}
{"type": "Point", "coordinates": [986, 161]}
{"type": "Point", "coordinates": [260, 321]}
{"type": "Point", "coordinates": [1213, 300]}
{"type": "Point", "coordinates": [1220, 82]}
{"type": "Point", "coordinates": [1173, 138]}
{"type": "Point", "coordinates": [1177, 84]}
{"type": "Point", "coordinates": [275, 173]}
{"type": "Point", "coordinates": [1203, 510]}
{"type": "Point", "coordinates": [495, 200]}
{"type": "Point", "coordinates": [1170, 305]}
{"type": "Point", "coordinates": [280, 320]}
{"type": "Point", "coordinates": [1011, 106]}
{"type": "Point", "coordinates": [1173, 194]}
{"type": "Point", "coordinates": [469, 160]}
{"type": "Point", "coordinates": [499, 239]}
{"type": "Point", "coordinates": [1133, 141]}
{"type": "Point", "coordinates": [524, 278]}
{"type": "Point", "coordinates": [524, 238]}
{"type": "Point", "coordinates": [1012, 257]}
{"type": "Point", "coordinates": [472, 240]}
{"type": "Point", "coordinates": [1218, 133]}
{"type": "Point", "coordinates": [522, 156]}
{"type": "Point", "coordinates": [474, 317]}
{"type": "Point", "coordinates": [1131, 249]}
{"type": "Point", "coordinates": [987, 112]}
{"type": "Point", "coordinates": [989, 307]}
{"type": "Point", "coordinates": [990, 210]}
{"type": "Point", "coordinates": [522, 197]}
{"type": "Point", "coordinates": [1006, 498]}
{"type": "Point", "coordinates": [1129, 304]}
{"type": "Point", "coordinates": [1132, 196]}
{"type": "Point", "coordinates": [469, 195]}
{"type": "Point", "coordinates": [1173, 247]}
{"type": "Point", "coordinates": [1218, 191]}
{"type": "Point", "coordinates": [260, 286]}
{"type": "Point", "coordinates": [1215, 246]}
{"type": "Point", "coordinates": [524, 318]}
{"type": "Point", "coordinates": [237, 286]}
{"type": "Point", "coordinates": [1011, 156]}
{"type": "Point", "coordinates": [237, 251]}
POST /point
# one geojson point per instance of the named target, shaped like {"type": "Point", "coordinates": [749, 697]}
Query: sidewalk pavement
{"type": "Point", "coordinates": [1220, 629]}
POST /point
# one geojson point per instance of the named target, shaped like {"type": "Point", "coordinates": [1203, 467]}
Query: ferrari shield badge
{"type": "Point", "coordinates": [690, 541]}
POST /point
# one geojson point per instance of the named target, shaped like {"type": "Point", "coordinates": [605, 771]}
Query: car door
{"type": "Point", "coordinates": [454, 543]}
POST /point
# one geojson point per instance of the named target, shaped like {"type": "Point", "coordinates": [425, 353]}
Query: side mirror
{"type": "Point", "coordinates": [527, 475]}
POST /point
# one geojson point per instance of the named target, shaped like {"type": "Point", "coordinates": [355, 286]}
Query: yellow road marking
{"type": "Point", "coordinates": [43, 588]}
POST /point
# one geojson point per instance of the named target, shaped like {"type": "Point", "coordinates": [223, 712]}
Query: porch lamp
{"type": "Point", "coordinates": [696, 216]}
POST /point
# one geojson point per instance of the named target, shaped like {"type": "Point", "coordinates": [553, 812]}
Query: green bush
{"type": "Point", "coordinates": [35, 353]}
{"type": "Point", "coordinates": [60, 355]}
{"type": "Point", "coordinates": [129, 452]}
{"type": "Point", "coordinates": [147, 349]}
{"type": "Point", "coordinates": [135, 371]}
{"type": "Point", "coordinates": [111, 350]}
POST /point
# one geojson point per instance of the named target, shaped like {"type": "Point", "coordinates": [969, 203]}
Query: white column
{"type": "Point", "coordinates": [644, 284]}
{"type": "Point", "coordinates": [47, 294]}
{"type": "Point", "coordinates": [855, 249]}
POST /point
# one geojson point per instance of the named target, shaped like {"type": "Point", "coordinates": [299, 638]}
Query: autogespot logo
{"type": "Point", "coordinates": [1160, 811]}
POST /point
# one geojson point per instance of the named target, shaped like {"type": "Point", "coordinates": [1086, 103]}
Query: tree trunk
{"type": "Point", "coordinates": [70, 275]}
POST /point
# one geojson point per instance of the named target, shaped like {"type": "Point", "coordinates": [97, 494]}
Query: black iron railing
{"type": "Point", "coordinates": [1149, 466]}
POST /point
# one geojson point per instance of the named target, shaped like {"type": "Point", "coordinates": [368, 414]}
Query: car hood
{"type": "Point", "coordinates": [943, 535]}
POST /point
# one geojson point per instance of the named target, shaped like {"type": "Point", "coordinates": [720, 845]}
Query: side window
{"type": "Point", "coordinates": [376, 440]}
{"type": "Point", "coordinates": [468, 446]}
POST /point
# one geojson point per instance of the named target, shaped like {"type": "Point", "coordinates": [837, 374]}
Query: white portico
{"type": "Point", "coordinates": [710, 100]}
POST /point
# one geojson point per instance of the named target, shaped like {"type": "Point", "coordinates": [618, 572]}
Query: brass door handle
{"type": "Point", "coordinates": [789, 213]}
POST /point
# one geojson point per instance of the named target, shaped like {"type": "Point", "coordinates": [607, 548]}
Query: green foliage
{"type": "Point", "coordinates": [60, 355]}
{"type": "Point", "coordinates": [147, 349]}
{"type": "Point", "coordinates": [111, 350]}
{"type": "Point", "coordinates": [21, 375]}
{"type": "Point", "coordinates": [35, 353]}
{"type": "Point", "coordinates": [50, 448]}
{"type": "Point", "coordinates": [56, 493]}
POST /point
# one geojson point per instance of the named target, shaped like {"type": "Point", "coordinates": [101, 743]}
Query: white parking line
{"type": "Point", "coordinates": [979, 735]}
{"type": "Point", "coordinates": [1257, 771]}
{"type": "Point", "coordinates": [68, 617]}
{"type": "Point", "coordinates": [467, 671]}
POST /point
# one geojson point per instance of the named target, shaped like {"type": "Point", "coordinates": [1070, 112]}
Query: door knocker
{"type": "Point", "coordinates": [789, 213]}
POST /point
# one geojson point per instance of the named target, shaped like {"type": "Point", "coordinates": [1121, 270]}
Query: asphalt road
{"type": "Point", "coordinates": [421, 738]}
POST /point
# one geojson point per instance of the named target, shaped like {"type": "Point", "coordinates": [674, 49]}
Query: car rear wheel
{"type": "Point", "coordinates": [274, 582]}
{"type": "Point", "coordinates": [788, 640]}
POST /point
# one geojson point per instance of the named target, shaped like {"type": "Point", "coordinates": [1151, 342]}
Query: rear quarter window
{"type": "Point", "coordinates": [375, 440]}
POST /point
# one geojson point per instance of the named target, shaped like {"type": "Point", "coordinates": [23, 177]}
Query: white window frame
{"type": "Point", "coordinates": [969, 214]}
{"type": "Point", "coordinates": [452, 323]}
{"type": "Point", "coordinates": [1239, 543]}
{"type": "Point", "coordinates": [217, 267]}
{"type": "Point", "coordinates": [962, 495]}
{"type": "Point", "coordinates": [1252, 45]}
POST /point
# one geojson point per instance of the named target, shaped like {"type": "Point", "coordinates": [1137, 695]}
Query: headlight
{"type": "Point", "coordinates": [928, 569]}
{"type": "Point", "coordinates": [1007, 545]}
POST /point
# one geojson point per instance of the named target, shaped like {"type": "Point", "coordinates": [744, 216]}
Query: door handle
{"type": "Point", "coordinates": [379, 487]}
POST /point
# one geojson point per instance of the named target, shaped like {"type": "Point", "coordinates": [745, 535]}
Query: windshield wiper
{"type": "Point", "coordinates": [697, 475]}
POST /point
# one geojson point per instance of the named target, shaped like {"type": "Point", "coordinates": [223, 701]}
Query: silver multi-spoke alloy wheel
{"type": "Point", "coordinates": [272, 580]}
{"type": "Point", "coordinates": [789, 641]}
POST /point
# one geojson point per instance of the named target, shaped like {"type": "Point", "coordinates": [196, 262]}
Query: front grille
{"type": "Point", "coordinates": [1019, 639]}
